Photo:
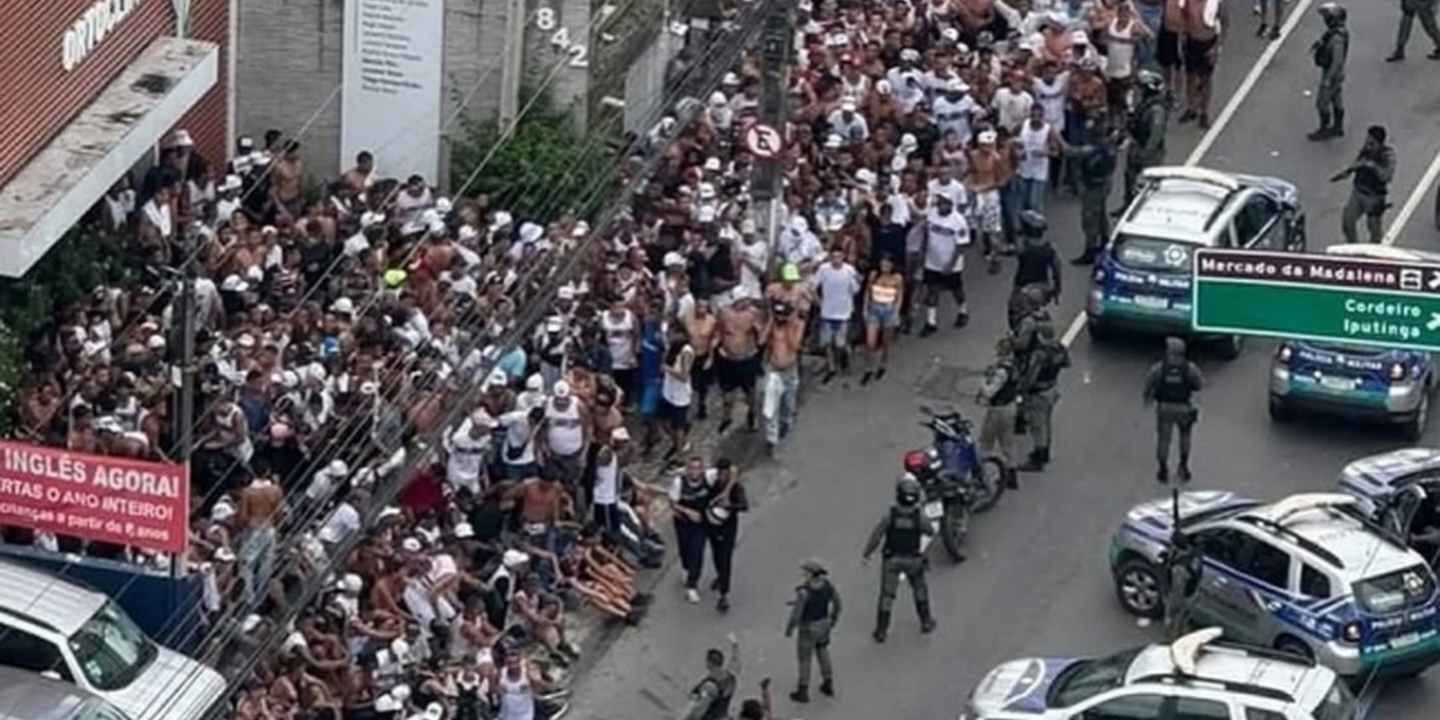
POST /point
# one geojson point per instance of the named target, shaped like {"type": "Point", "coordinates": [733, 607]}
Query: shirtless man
{"type": "Point", "coordinates": [543, 503]}
{"type": "Point", "coordinates": [989, 172]}
{"type": "Point", "coordinates": [287, 182]}
{"type": "Point", "coordinates": [784, 338]}
{"type": "Point", "coordinates": [737, 359]}
{"type": "Point", "coordinates": [701, 327]}
{"type": "Point", "coordinates": [257, 510]}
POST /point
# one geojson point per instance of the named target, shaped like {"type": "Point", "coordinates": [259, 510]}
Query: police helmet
{"type": "Point", "coordinates": [1032, 222]}
{"type": "Point", "coordinates": [907, 489]}
{"type": "Point", "coordinates": [1333, 13]}
{"type": "Point", "coordinates": [1150, 81]}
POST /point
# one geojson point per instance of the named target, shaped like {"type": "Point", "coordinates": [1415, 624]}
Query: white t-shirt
{"type": "Point", "coordinates": [953, 189]}
{"type": "Point", "coordinates": [837, 287]}
{"type": "Point", "coordinates": [955, 115]}
{"type": "Point", "coordinates": [462, 468]}
{"type": "Point", "coordinates": [752, 253]}
{"type": "Point", "coordinates": [945, 236]}
{"type": "Point", "coordinates": [1051, 96]}
{"type": "Point", "coordinates": [1012, 108]}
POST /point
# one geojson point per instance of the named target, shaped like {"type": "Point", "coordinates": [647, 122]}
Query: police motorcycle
{"type": "Point", "coordinates": [953, 459]}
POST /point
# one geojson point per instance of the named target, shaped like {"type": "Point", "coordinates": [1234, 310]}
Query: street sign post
{"type": "Point", "coordinates": [1317, 297]}
{"type": "Point", "coordinates": [763, 141]}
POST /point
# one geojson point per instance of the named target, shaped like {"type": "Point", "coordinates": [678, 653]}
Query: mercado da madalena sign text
{"type": "Point", "coordinates": [94, 497]}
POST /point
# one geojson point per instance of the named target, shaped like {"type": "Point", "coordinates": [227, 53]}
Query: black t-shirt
{"type": "Point", "coordinates": [887, 240]}
{"type": "Point", "coordinates": [488, 521]}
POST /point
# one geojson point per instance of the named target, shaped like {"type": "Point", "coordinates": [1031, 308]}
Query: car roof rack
{"type": "Point", "coordinates": [1283, 510]}
{"type": "Point", "coordinates": [1185, 654]}
{"type": "Point", "coordinates": [1230, 685]}
{"type": "Point", "coordinates": [1309, 545]}
{"type": "Point", "coordinates": [1196, 174]}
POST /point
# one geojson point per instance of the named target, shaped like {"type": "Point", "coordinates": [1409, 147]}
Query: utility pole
{"type": "Point", "coordinates": [776, 43]}
{"type": "Point", "coordinates": [184, 319]}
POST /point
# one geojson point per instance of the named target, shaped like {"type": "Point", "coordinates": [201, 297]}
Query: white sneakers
{"type": "Point", "coordinates": [692, 595]}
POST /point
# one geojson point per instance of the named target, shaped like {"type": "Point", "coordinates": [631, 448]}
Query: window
{"type": "Point", "coordinates": [1266, 563]}
{"type": "Point", "coordinates": [1134, 707]}
{"type": "Point", "coordinates": [1253, 218]}
{"type": "Point", "coordinates": [1223, 546]}
{"type": "Point", "coordinates": [1313, 583]}
{"type": "Point", "coordinates": [110, 649]}
{"type": "Point", "coordinates": [22, 650]}
{"type": "Point", "coordinates": [1258, 714]}
{"type": "Point", "coordinates": [1196, 709]}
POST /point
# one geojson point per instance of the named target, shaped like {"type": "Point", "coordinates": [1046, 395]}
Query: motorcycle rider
{"type": "Point", "coordinates": [1147, 131]}
{"type": "Point", "coordinates": [814, 612]}
{"type": "Point", "coordinates": [902, 530]}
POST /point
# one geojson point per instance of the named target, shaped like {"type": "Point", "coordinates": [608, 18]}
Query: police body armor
{"type": "Point", "coordinates": [1368, 181]}
{"type": "Point", "coordinates": [1034, 264]}
{"type": "Point", "coordinates": [817, 602]}
{"type": "Point", "coordinates": [1008, 392]}
{"type": "Point", "coordinates": [724, 690]}
{"type": "Point", "coordinates": [902, 536]}
{"type": "Point", "coordinates": [1324, 57]}
{"type": "Point", "coordinates": [1051, 363]}
{"type": "Point", "coordinates": [1174, 386]}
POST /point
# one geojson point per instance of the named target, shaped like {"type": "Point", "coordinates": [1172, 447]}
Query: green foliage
{"type": "Point", "coordinates": [72, 269]}
{"type": "Point", "coordinates": [542, 169]}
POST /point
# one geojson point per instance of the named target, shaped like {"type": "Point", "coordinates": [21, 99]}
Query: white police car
{"type": "Point", "coordinates": [1312, 574]}
{"type": "Point", "coordinates": [1197, 676]}
{"type": "Point", "coordinates": [1383, 384]}
{"type": "Point", "coordinates": [1142, 280]}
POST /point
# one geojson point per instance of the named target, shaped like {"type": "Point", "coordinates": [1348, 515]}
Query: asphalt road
{"type": "Point", "coordinates": [1036, 582]}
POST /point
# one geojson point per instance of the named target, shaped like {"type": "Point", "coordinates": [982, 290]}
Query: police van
{"type": "Point", "coordinates": [1313, 574]}
{"type": "Point", "coordinates": [1199, 675]}
{"type": "Point", "coordinates": [1142, 280]}
{"type": "Point", "coordinates": [1382, 384]}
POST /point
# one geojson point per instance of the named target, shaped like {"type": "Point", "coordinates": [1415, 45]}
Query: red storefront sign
{"type": "Point", "coordinates": [95, 497]}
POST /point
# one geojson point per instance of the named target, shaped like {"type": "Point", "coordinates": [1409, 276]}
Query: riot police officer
{"type": "Point", "coordinates": [1040, 388]}
{"type": "Point", "coordinates": [1371, 174]}
{"type": "Point", "coordinates": [1182, 579]}
{"type": "Point", "coordinates": [710, 698]}
{"type": "Point", "coordinates": [1147, 130]}
{"type": "Point", "coordinates": [814, 612]}
{"type": "Point", "coordinates": [902, 530]}
{"type": "Point", "coordinates": [1095, 165]}
{"type": "Point", "coordinates": [1329, 53]}
{"type": "Point", "coordinates": [1038, 263]}
{"type": "Point", "coordinates": [1171, 385]}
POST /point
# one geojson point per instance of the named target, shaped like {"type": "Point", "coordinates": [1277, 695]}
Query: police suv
{"type": "Point", "coordinates": [1313, 575]}
{"type": "Point", "coordinates": [1142, 279]}
{"type": "Point", "coordinates": [1197, 676]}
{"type": "Point", "coordinates": [1401, 488]}
{"type": "Point", "coordinates": [1386, 384]}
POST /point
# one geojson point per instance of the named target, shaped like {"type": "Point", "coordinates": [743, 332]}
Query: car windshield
{"type": "Point", "coordinates": [1338, 704]}
{"type": "Point", "coordinates": [1147, 253]}
{"type": "Point", "coordinates": [1088, 678]}
{"type": "Point", "coordinates": [110, 649]}
{"type": "Point", "coordinates": [1396, 591]}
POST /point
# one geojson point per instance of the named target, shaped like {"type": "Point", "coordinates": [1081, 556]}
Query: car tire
{"type": "Point", "coordinates": [1279, 411]}
{"type": "Point", "coordinates": [1138, 587]}
{"type": "Point", "coordinates": [1414, 429]}
{"type": "Point", "coordinates": [1231, 346]}
{"type": "Point", "coordinates": [1294, 646]}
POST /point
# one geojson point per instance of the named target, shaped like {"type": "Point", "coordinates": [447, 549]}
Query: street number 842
{"type": "Point", "coordinates": [579, 55]}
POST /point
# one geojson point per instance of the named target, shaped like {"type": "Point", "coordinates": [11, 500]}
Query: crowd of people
{"type": "Point", "coordinates": [336, 330]}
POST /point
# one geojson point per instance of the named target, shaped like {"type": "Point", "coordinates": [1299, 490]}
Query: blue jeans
{"type": "Point", "coordinates": [780, 407]}
{"type": "Point", "coordinates": [1152, 16]}
{"type": "Point", "coordinates": [1032, 195]}
{"type": "Point", "coordinates": [1012, 197]}
{"type": "Point", "coordinates": [257, 563]}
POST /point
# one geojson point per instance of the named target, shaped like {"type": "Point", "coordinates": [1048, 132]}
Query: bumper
{"type": "Point", "coordinates": [1123, 316]}
{"type": "Point", "coordinates": [1346, 660]}
{"type": "Point", "coordinates": [1398, 405]}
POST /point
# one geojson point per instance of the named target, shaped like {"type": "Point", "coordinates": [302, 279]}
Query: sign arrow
{"type": "Point", "coordinates": [1434, 323]}
{"type": "Point", "coordinates": [1434, 280]}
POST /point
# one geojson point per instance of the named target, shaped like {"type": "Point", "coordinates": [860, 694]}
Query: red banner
{"type": "Point", "coordinates": [95, 497]}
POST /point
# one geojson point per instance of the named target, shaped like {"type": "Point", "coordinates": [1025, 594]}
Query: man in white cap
{"type": "Point", "coordinates": [553, 336]}
{"type": "Point", "coordinates": [849, 124]}
{"type": "Point", "coordinates": [565, 437]}
{"type": "Point", "coordinates": [466, 449]}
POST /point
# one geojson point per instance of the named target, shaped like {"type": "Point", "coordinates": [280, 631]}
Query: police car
{"type": "Point", "coordinates": [1385, 384]}
{"type": "Point", "coordinates": [1142, 280]}
{"type": "Point", "coordinates": [1400, 488]}
{"type": "Point", "coordinates": [1313, 574]}
{"type": "Point", "coordinates": [1197, 676]}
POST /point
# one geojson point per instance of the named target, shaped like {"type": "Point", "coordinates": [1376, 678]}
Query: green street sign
{"type": "Point", "coordinates": [1317, 297]}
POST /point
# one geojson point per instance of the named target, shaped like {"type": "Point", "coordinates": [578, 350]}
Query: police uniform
{"type": "Point", "coordinates": [1095, 165]}
{"type": "Point", "coordinates": [710, 698]}
{"type": "Point", "coordinates": [1041, 388]}
{"type": "Point", "coordinates": [1182, 578]}
{"type": "Point", "coordinates": [1372, 172]}
{"type": "Point", "coordinates": [1147, 135]}
{"type": "Point", "coordinates": [1329, 53]}
{"type": "Point", "coordinates": [814, 612]}
{"type": "Point", "coordinates": [1000, 394]}
{"type": "Point", "coordinates": [901, 531]}
{"type": "Point", "coordinates": [1172, 385]}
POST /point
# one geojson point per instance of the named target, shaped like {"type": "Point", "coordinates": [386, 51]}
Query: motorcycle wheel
{"type": "Point", "coordinates": [953, 528]}
{"type": "Point", "coordinates": [988, 483]}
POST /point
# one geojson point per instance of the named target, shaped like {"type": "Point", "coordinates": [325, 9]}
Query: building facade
{"type": "Point", "coordinates": [91, 87]}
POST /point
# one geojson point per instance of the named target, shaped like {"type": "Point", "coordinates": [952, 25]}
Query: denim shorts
{"type": "Point", "coordinates": [834, 333]}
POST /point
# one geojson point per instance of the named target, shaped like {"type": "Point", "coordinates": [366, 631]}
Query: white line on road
{"type": "Point", "coordinates": [1412, 203]}
{"type": "Point", "coordinates": [1226, 115]}
{"type": "Point", "coordinates": [1366, 701]}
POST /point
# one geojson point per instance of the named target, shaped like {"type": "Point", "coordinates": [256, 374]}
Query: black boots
{"type": "Point", "coordinates": [1184, 473]}
{"type": "Point", "coordinates": [882, 626]}
{"type": "Point", "coordinates": [1163, 474]}
{"type": "Point", "coordinates": [827, 688]}
{"type": "Point", "coordinates": [1038, 459]}
{"type": "Point", "coordinates": [927, 621]}
{"type": "Point", "coordinates": [1329, 129]}
{"type": "Point", "coordinates": [801, 695]}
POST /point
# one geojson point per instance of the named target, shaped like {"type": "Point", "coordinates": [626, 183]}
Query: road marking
{"type": "Point", "coordinates": [1413, 202]}
{"type": "Point", "coordinates": [1226, 115]}
{"type": "Point", "coordinates": [1366, 701]}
